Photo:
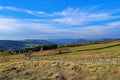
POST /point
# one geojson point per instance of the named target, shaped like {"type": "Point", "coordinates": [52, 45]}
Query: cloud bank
{"type": "Point", "coordinates": [69, 23]}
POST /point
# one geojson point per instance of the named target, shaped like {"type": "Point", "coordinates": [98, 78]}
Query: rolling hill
{"type": "Point", "coordinates": [30, 43]}
{"type": "Point", "coordinates": [16, 45]}
{"type": "Point", "coordinates": [88, 62]}
{"type": "Point", "coordinates": [69, 41]}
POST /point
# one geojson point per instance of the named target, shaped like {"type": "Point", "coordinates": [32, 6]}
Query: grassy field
{"type": "Point", "coordinates": [90, 62]}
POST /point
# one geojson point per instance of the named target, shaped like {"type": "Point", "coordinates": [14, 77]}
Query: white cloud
{"type": "Point", "coordinates": [0, 7]}
{"type": "Point", "coordinates": [115, 24]}
{"type": "Point", "coordinates": [78, 16]}
{"type": "Point", "coordinates": [39, 12]}
{"type": "Point", "coordinates": [60, 24]}
{"type": "Point", "coordinates": [21, 10]}
{"type": "Point", "coordinates": [33, 29]}
{"type": "Point", "coordinates": [6, 25]}
{"type": "Point", "coordinates": [71, 16]}
{"type": "Point", "coordinates": [12, 8]}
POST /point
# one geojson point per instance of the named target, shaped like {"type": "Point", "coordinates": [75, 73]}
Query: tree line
{"type": "Point", "coordinates": [48, 47]}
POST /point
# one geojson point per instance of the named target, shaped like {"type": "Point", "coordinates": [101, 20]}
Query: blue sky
{"type": "Point", "coordinates": [51, 19]}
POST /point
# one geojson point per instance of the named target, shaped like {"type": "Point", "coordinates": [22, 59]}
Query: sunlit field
{"type": "Point", "coordinates": [89, 62]}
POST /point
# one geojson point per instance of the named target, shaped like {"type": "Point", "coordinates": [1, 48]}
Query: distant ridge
{"type": "Point", "coordinates": [21, 44]}
{"type": "Point", "coordinates": [30, 43]}
{"type": "Point", "coordinates": [109, 39]}
{"type": "Point", "coordinates": [69, 41]}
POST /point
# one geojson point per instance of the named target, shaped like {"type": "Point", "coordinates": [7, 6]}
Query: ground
{"type": "Point", "coordinates": [90, 62]}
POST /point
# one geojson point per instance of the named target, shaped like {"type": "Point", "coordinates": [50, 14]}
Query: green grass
{"type": "Point", "coordinates": [30, 45]}
{"type": "Point", "coordinates": [94, 46]}
{"type": "Point", "coordinates": [86, 51]}
{"type": "Point", "coordinates": [90, 62]}
{"type": "Point", "coordinates": [91, 48]}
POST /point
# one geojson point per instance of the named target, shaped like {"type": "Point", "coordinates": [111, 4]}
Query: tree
{"type": "Point", "coordinates": [28, 54]}
{"type": "Point", "coordinates": [5, 53]}
{"type": "Point", "coordinates": [41, 49]}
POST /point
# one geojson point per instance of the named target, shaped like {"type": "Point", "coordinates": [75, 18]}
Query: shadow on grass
{"type": "Point", "coordinates": [99, 48]}
{"type": "Point", "coordinates": [66, 52]}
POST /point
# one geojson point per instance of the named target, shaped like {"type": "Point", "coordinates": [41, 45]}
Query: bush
{"type": "Point", "coordinates": [28, 54]}
{"type": "Point", "coordinates": [5, 53]}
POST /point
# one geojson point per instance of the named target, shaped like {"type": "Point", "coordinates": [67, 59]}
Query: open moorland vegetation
{"type": "Point", "coordinates": [88, 62]}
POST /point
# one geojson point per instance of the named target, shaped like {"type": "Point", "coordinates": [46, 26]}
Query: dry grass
{"type": "Point", "coordinates": [101, 64]}
{"type": "Point", "coordinates": [58, 70]}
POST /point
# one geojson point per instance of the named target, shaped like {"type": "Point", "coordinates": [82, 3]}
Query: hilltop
{"type": "Point", "coordinates": [89, 62]}
{"type": "Point", "coordinates": [11, 45]}
{"type": "Point", "coordinates": [21, 44]}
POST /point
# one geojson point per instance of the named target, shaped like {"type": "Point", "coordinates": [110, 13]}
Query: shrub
{"type": "Point", "coordinates": [28, 54]}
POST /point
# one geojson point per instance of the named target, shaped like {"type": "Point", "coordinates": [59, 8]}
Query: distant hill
{"type": "Point", "coordinates": [17, 45]}
{"type": "Point", "coordinates": [109, 39]}
{"type": "Point", "coordinates": [30, 43]}
{"type": "Point", "coordinates": [69, 41]}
